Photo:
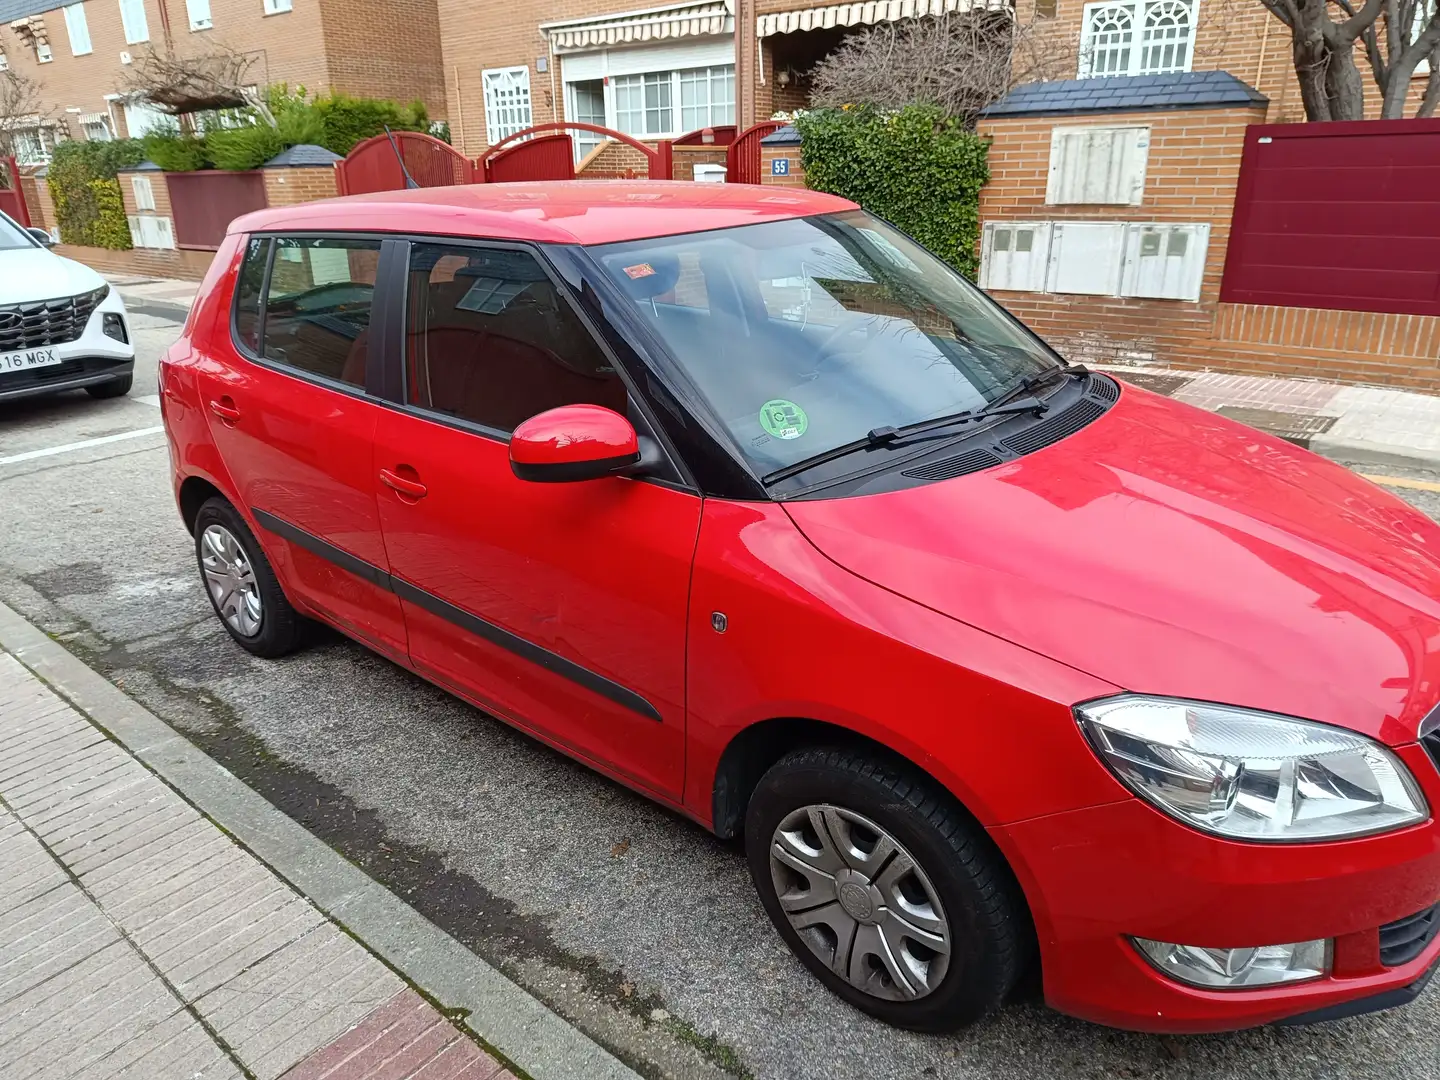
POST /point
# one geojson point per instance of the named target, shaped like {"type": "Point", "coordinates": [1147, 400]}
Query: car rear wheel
{"type": "Point", "coordinates": [114, 388]}
{"type": "Point", "coordinates": [885, 888]}
{"type": "Point", "coordinates": [242, 587]}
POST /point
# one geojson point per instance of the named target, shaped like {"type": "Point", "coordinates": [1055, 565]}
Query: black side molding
{"type": "Point", "coordinates": [473, 624]}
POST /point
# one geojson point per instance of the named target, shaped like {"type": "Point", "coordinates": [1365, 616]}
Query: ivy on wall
{"type": "Point", "coordinates": [915, 167]}
{"type": "Point", "coordinates": [82, 183]}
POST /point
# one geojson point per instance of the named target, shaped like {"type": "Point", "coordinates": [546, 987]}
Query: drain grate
{"type": "Point", "coordinates": [1298, 428]}
{"type": "Point", "coordinates": [1153, 380]}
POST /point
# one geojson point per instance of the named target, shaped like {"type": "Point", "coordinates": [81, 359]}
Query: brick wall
{"type": "Point", "coordinates": [286, 187]}
{"type": "Point", "coordinates": [615, 161]}
{"type": "Point", "coordinates": [1194, 161]}
{"type": "Point", "coordinates": [1238, 36]}
{"type": "Point", "coordinates": [795, 178]}
{"type": "Point", "coordinates": [687, 157]}
{"type": "Point", "coordinates": [141, 262]}
{"type": "Point", "coordinates": [371, 48]}
{"type": "Point", "coordinates": [158, 187]}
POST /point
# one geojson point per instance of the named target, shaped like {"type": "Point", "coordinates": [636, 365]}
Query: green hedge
{"type": "Point", "coordinates": [916, 168]}
{"type": "Point", "coordinates": [87, 199]}
{"type": "Point", "coordinates": [336, 122]}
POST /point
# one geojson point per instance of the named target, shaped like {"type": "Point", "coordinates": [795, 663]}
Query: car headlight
{"type": "Point", "coordinates": [1252, 775]}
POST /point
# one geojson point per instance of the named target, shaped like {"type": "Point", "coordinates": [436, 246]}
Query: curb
{"type": "Point", "coordinates": [1365, 452]}
{"type": "Point", "coordinates": [502, 1014]}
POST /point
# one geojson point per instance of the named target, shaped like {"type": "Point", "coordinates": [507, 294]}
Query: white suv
{"type": "Point", "coordinates": [61, 326]}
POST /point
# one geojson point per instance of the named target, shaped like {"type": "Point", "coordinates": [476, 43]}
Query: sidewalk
{"type": "Point", "coordinates": [1358, 424]}
{"type": "Point", "coordinates": [140, 941]}
{"type": "Point", "coordinates": [143, 937]}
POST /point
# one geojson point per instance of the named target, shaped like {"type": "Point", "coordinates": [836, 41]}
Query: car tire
{"type": "Point", "coordinates": [254, 610]}
{"type": "Point", "coordinates": [114, 388]}
{"type": "Point", "coordinates": [865, 798]}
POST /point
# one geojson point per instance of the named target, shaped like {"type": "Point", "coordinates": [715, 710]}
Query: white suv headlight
{"type": "Point", "coordinates": [1252, 775]}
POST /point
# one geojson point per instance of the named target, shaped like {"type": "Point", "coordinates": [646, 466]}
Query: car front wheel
{"type": "Point", "coordinates": [885, 888]}
{"type": "Point", "coordinates": [242, 587]}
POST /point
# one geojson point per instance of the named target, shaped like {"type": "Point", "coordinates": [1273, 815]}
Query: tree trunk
{"type": "Point", "coordinates": [1311, 60]}
{"type": "Point", "coordinates": [1344, 85]}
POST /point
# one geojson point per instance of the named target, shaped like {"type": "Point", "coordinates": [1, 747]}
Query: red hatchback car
{"type": "Point", "coordinates": [745, 499]}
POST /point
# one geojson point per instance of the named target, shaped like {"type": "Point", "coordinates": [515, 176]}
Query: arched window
{"type": "Point", "coordinates": [1137, 37]}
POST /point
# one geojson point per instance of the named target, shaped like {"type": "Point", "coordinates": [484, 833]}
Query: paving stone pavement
{"type": "Point", "coordinates": [138, 941]}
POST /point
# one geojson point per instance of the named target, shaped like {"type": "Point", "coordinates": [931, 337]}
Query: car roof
{"type": "Point", "coordinates": [553, 211]}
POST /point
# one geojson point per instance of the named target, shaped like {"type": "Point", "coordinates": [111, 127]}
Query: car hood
{"type": "Point", "coordinates": [37, 274]}
{"type": "Point", "coordinates": [1171, 551]}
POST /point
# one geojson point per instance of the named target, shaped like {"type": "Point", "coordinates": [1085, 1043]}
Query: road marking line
{"type": "Point", "coordinates": [148, 399]}
{"type": "Point", "coordinates": [1402, 482]}
{"type": "Point", "coordinates": [31, 455]}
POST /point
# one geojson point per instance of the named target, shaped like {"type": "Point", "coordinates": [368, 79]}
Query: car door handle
{"type": "Point", "coordinates": [225, 409]}
{"type": "Point", "coordinates": [410, 488]}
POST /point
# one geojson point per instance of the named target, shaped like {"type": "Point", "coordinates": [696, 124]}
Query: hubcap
{"type": "Point", "coordinates": [231, 580]}
{"type": "Point", "coordinates": [861, 902]}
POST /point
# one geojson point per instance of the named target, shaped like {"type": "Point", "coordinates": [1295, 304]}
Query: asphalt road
{"type": "Point", "coordinates": [636, 925]}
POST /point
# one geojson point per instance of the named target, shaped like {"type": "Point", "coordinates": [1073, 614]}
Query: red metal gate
{"type": "Point", "coordinates": [373, 166]}
{"type": "Point", "coordinates": [545, 152]}
{"type": "Point", "coordinates": [204, 203]}
{"type": "Point", "coordinates": [12, 198]}
{"type": "Point", "coordinates": [1325, 247]}
{"type": "Point", "coordinates": [742, 157]}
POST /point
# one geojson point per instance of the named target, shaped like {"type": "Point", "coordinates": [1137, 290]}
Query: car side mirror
{"type": "Point", "coordinates": [42, 236]}
{"type": "Point", "coordinates": [573, 442]}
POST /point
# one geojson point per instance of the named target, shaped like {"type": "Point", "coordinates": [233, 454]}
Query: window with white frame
{"type": "Point", "coordinates": [199, 14]}
{"type": "Point", "coordinates": [4, 62]}
{"type": "Point", "coordinates": [275, 7]}
{"type": "Point", "coordinates": [507, 102]}
{"type": "Point", "coordinates": [1137, 37]}
{"type": "Point", "coordinates": [707, 97]}
{"type": "Point", "coordinates": [32, 146]}
{"type": "Point", "coordinates": [43, 53]}
{"type": "Point", "coordinates": [96, 129]}
{"type": "Point", "coordinates": [644, 104]}
{"type": "Point", "coordinates": [132, 18]}
{"type": "Point", "coordinates": [586, 105]}
{"type": "Point", "coordinates": [78, 29]}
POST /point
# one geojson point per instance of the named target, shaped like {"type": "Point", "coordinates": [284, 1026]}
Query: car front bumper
{"type": "Point", "coordinates": [1095, 878]}
{"type": "Point", "coordinates": [90, 359]}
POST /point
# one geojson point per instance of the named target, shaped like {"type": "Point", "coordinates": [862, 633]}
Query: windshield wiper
{"type": "Point", "coordinates": [910, 433]}
{"type": "Point", "coordinates": [1006, 404]}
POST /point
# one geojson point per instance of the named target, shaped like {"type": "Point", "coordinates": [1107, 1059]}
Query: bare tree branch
{"type": "Point", "coordinates": [959, 62]}
{"type": "Point", "coordinates": [217, 79]}
{"type": "Point", "coordinates": [22, 107]}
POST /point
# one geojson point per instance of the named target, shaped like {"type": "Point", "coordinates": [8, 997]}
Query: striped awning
{"type": "Point", "coordinates": [865, 14]}
{"type": "Point", "coordinates": [650, 24]}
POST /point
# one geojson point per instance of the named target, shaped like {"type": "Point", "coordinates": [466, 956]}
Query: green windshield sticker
{"type": "Point", "coordinates": [783, 419]}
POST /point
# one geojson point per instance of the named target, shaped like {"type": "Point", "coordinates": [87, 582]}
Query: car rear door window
{"type": "Point", "coordinates": [317, 305]}
{"type": "Point", "coordinates": [248, 288]}
{"type": "Point", "coordinates": [491, 340]}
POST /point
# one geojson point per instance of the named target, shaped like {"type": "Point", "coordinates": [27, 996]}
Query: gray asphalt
{"type": "Point", "coordinates": [636, 925]}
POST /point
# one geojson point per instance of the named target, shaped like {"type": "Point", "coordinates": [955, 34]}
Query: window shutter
{"type": "Point", "coordinates": [1166, 262]}
{"type": "Point", "coordinates": [144, 192]}
{"type": "Point", "coordinates": [507, 102]}
{"type": "Point", "coordinates": [1015, 255]}
{"type": "Point", "coordinates": [1086, 257]}
{"type": "Point", "coordinates": [132, 17]}
{"type": "Point", "coordinates": [78, 29]}
{"type": "Point", "coordinates": [1103, 166]}
{"type": "Point", "coordinates": [199, 12]}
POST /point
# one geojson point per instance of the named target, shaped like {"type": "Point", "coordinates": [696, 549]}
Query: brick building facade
{"type": "Point", "coordinates": [80, 54]}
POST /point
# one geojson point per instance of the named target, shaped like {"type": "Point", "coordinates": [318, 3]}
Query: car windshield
{"type": "Point", "coordinates": [12, 236]}
{"type": "Point", "coordinates": [806, 334]}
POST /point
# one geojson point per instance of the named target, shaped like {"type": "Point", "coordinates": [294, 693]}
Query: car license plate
{"type": "Point", "coordinates": [30, 358]}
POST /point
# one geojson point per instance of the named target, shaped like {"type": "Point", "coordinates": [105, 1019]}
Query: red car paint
{"type": "Point", "coordinates": [1160, 550]}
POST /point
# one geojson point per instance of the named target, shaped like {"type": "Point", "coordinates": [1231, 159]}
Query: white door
{"type": "Point", "coordinates": [141, 119]}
